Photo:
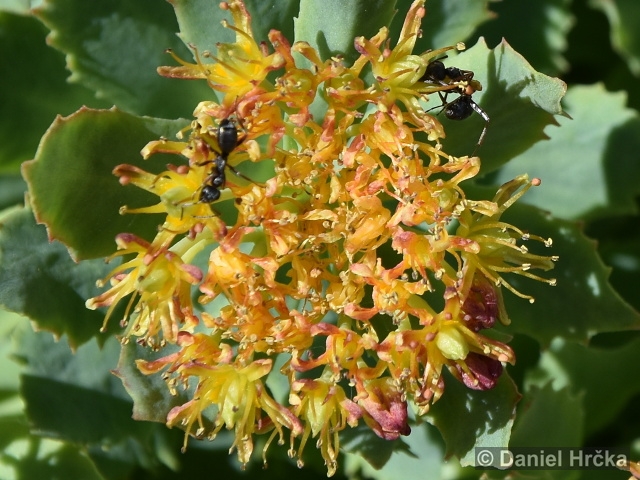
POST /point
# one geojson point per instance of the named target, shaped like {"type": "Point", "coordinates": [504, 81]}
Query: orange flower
{"type": "Point", "coordinates": [349, 230]}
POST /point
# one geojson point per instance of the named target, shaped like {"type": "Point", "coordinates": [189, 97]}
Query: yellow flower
{"type": "Point", "coordinates": [493, 245]}
{"type": "Point", "coordinates": [326, 411]}
{"type": "Point", "coordinates": [396, 70]}
{"type": "Point", "coordinates": [238, 67]}
{"type": "Point", "coordinates": [236, 390]}
{"type": "Point", "coordinates": [163, 284]}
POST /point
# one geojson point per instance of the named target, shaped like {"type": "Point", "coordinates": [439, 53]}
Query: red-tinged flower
{"type": "Point", "coordinates": [475, 359]}
{"type": "Point", "coordinates": [479, 372]}
{"type": "Point", "coordinates": [483, 305]}
{"type": "Point", "coordinates": [384, 408]}
{"type": "Point", "coordinates": [416, 357]}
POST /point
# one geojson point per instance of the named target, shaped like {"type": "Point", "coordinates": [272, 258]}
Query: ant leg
{"type": "Point", "coordinates": [443, 105]}
{"type": "Point", "coordinates": [241, 175]}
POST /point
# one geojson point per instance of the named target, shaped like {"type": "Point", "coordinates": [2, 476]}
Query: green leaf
{"type": "Point", "coordinates": [273, 14]}
{"type": "Point", "coordinates": [12, 188]}
{"type": "Point", "coordinates": [417, 456]}
{"type": "Point", "coordinates": [115, 46]}
{"type": "Point", "coordinates": [470, 418]}
{"type": "Point", "coordinates": [619, 247]}
{"type": "Point", "coordinates": [40, 281]}
{"type": "Point", "coordinates": [582, 303]}
{"type": "Point", "coordinates": [21, 7]}
{"type": "Point", "coordinates": [543, 411]}
{"type": "Point", "coordinates": [332, 25]}
{"type": "Point", "coordinates": [624, 17]}
{"type": "Point", "coordinates": [71, 186]}
{"type": "Point", "coordinates": [33, 89]}
{"type": "Point", "coordinates": [603, 376]}
{"type": "Point", "coordinates": [590, 166]}
{"type": "Point", "coordinates": [75, 408]}
{"type": "Point", "coordinates": [33, 457]}
{"type": "Point", "coordinates": [64, 393]}
{"type": "Point", "coordinates": [9, 372]}
{"type": "Point", "coordinates": [547, 405]}
{"type": "Point", "coordinates": [538, 30]}
{"type": "Point", "coordinates": [519, 101]}
{"type": "Point", "coordinates": [25, 455]}
{"type": "Point", "coordinates": [447, 22]}
{"type": "Point", "coordinates": [200, 21]}
{"type": "Point", "coordinates": [151, 398]}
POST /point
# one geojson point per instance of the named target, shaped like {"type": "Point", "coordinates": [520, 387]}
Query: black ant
{"type": "Point", "coordinates": [227, 137]}
{"type": "Point", "coordinates": [462, 83]}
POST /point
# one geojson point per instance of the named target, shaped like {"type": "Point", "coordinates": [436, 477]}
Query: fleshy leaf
{"type": "Point", "coordinates": [39, 280]}
{"type": "Point", "coordinates": [151, 398]}
{"type": "Point", "coordinates": [542, 40]}
{"type": "Point", "coordinates": [619, 247]}
{"type": "Point", "coordinates": [21, 7]}
{"type": "Point", "coordinates": [200, 20]}
{"type": "Point", "coordinates": [595, 372]}
{"type": "Point", "coordinates": [471, 418]}
{"type": "Point", "coordinates": [519, 101]}
{"type": "Point", "coordinates": [114, 48]}
{"type": "Point", "coordinates": [562, 426]}
{"type": "Point", "coordinates": [365, 448]}
{"type": "Point", "coordinates": [560, 407]}
{"type": "Point", "coordinates": [12, 188]}
{"type": "Point", "coordinates": [35, 457]}
{"type": "Point", "coordinates": [333, 34]}
{"type": "Point", "coordinates": [446, 22]}
{"type": "Point", "coordinates": [590, 165]}
{"type": "Point", "coordinates": [415, 457]}
{"type": "Point", "coordinates": [273, 14]}
{"type": "Point", "coordinates": [32, 92]}
{"type": "Point", "coordinates": [71, 185]}
{"type": "Point", "coordinates": [65, 392]}
{"type": "Point", "coordinates": [9, 373]}
{"type": "Point", "coordinates": [582, 303]}
{"type": "Point", "coordinates": [26, 455]}
{"type": "Point", "coordinates": [624, 17]}
{"type": "Point", "coordinates": [200, 23]}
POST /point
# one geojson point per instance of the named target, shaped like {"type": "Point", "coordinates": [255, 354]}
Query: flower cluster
{"type": "Point", "coordinates": [351, 251]}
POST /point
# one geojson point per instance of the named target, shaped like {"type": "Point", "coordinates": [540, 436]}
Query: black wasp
{"type": "Point", "coordinates": [462, 83]}
{"type": "Point", "coordinates": [227, 137]}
